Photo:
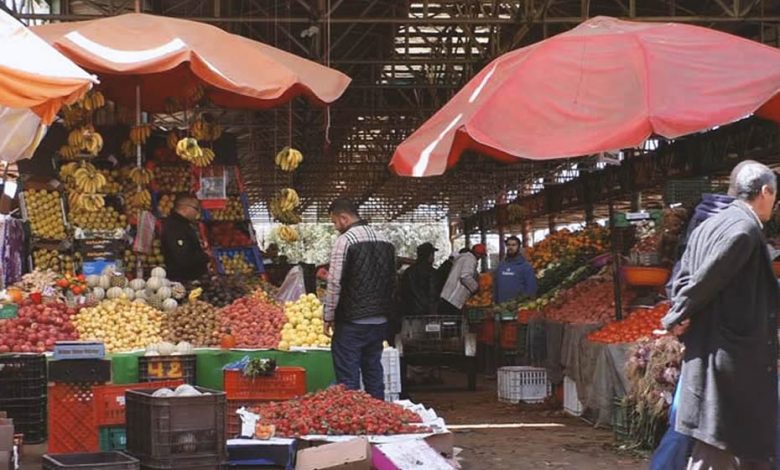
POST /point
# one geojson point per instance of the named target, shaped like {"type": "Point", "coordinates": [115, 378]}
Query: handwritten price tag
{"type": "Point", "coordinates": [165, 370]}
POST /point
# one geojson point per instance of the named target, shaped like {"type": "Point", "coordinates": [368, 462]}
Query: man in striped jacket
{"type": "Point", "coordinates": [361, 286]}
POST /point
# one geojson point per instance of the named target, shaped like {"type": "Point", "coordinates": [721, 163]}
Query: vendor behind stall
{"type": "Point", "coordinates": [185, 259]}
{"type": "Point", "coordinates": [514, 276]}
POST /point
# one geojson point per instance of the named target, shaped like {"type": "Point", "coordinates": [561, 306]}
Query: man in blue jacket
{"type": "Point", "coordinates": [514, 276]}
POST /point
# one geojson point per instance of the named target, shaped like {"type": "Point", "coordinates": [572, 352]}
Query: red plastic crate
{"type": "Point", "coordinates": [286, 383]}
{"type": "Point", "coordinates": [487, 330]}
{"type": "Point", "coordinates": [232, 420]}
{"type": "Point", "coordinates": [72, 426]}
{"type": "Point", "coordinates": [509, 335]}
{"type": "Point", "coordinates": [109, 400]}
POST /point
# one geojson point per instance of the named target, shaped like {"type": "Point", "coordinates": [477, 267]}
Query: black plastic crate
{"type": "Point", "coordinates": [22, 375]}
{"type": "Point", "coordinates": [80, 371]}
{"type": "Point", "coordinates": [162, 368]}
{"type": "Point", "coordinates": [176, 432]}
{"type": "Point", "coordinates": [91, 461]}
{"type": "Point", "coordinates": [29, 415]}
{"type": "Point", "coordinates": [434, 333]}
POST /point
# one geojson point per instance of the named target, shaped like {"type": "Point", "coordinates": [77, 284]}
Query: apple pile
{"type": "Point", "coordinates": [253, 323]}
{"type": "Point", "coordinates": [37, 327]}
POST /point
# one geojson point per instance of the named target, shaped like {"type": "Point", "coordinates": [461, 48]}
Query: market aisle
{"type": "Point", "coordinates": [575, 445]}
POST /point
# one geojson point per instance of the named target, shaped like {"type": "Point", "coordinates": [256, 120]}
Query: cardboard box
{"type": "Point", "coordinates": [442, 443]}
{"type": "Point", "coordinates": [349, 455]}
{"type": "Point", "coordinates": [403, 455]}
{"type": "Point", "coordinates": [5, 461]}
{"type": "Point", "coordinates": [6, 438]}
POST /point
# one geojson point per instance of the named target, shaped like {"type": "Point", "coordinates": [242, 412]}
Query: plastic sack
{"type": "Point", "coordinates": [293, 286]}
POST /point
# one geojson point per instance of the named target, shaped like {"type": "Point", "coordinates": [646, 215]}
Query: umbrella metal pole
{"type": "Point", "coordinates": [138, 161]}
{"type": "Point", "coordinates": [615, 263]}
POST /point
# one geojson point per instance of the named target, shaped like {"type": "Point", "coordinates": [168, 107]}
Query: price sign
{"type": "Point", "coordinates": [162, 370]}
{"type": "Point", "coordinates": [433, 328]}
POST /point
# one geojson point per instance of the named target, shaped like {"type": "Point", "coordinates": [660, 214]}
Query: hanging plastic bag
{"type": "Point", "coordinates": [145, 233]}
{"type": "Point", "coordinates": [293, 286]}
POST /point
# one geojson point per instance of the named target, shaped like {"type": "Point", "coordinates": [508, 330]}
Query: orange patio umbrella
{"type": "Point", "coordinates": [35, 81]}
{"type": "Point", "coordinates": [169, 57]}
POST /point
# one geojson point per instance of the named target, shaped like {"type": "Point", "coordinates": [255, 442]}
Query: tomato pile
{"type": "Point", "coordinates": [253, 323]}
{"type": "Point", "coordinates": [37, 327]}
{"type": "Point", "coordinates": [590, 302]}
{"type": "Point", "coordinates": [338, 411]}
{"type": "Point", "coordinates": [640, 323]}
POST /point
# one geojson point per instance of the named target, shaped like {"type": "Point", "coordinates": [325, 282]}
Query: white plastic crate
{"type": "Point", "coordinates": [523, 384]}
{"type": "Point", "coordinates": [391, 397]}
{"type": "Point", "coordinates": [571, 402]}
{"type": "Point", "coordinates": [391, 365]}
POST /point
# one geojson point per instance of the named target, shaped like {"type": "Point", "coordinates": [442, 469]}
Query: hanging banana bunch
{"type": "Point", "coordinates": [141, 200]}
{"type": "Point", "coordinates": [86, 139]}
{"type": "Point", "coordinates": [88, 179]}
{"type": "Point", "coordinates": [69, 153]}
{"type": "Point", "coordinates": [288, 159]}
{"type": "Point", "coordinates": [140, 134]}
{"type": "Point", "coordinates": [204, 129]}
{"type": "Point", "coordinates": [93, 100]}
{"type": "Point", "coordinates": [283, 207]}
{"type": "Point", "coordinates": [288, 234]}
{"type": "Point", "coordinates": [172, 106]}
{"type": "Point", "coordinates": [189, 150]}
{"type": "Point", "coordinates": [85, 202]}
{"type": "Point", "coordinates": [141, 176]}
{"type": "Point", "coordinates": [128, 149]}
{"type": "Point", "coordinates": [72, 116]}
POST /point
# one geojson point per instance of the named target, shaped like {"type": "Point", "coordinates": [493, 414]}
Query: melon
{"type": "Point", "coordinates": [153, 284]}
{"type": "Point", "coordinates": [114, 292]}
{"type": "Point", "coordinates": [159, 272]}
{"type": "Point", "coordinates": [118, 280]}
{"type": "Point", "coordinates": [178, 291]}
{"type": "Point", "coordinates": [104, 281]}
{"type": "Point", "coordinates": [129, 293]}
{"type": "Point", "coordinates": [184, 348]}
{"type": "Point", "coordinates": [165, 348]}
{"type": "Point", "coordinates": [93, 280]}
{"type": "Point", "coordinates": [137, 284]}
{"type": "Point", "coordinates": [98, 293]}
{"type": "Point", "coordinates": [140, 294]}
{"type": "Point", "coordinates": [164, 292]}
{"type": "Point", "coordinates": [169, 304]}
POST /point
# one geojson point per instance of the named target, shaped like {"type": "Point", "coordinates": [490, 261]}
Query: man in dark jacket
{"type": "Point", "coordinates": [514, 276]}
{"type": "Point", "coordinates": [418, 284]}
{"type": "Point", "coordinates": [185, 259]}
{"type": "Point", "coordinates": [675, 449]}
{"type": "Point", "coordinates": [359, 300]}
{"type": "Point", "coordinates": [724, 308]}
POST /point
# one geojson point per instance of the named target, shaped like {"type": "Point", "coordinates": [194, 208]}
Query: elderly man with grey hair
{"type": "Point", "coordinates": [725, 300]}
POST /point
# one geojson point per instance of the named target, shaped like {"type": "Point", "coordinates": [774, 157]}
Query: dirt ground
{"type": "Point", "coordinates": [574, 445]}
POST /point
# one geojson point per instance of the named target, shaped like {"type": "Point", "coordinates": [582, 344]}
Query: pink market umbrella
{"type": "Point", "coordinates": [605, 85]}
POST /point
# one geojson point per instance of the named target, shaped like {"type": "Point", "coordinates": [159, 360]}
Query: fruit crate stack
{"type": "Point", "coordinates": [284, 384]}
{"type": "Point", "coordinates": [23, 394]}
{"type": "Point", "coordinates": [109, 403]}
{"type": "Point", "coordinates": [176, 432]}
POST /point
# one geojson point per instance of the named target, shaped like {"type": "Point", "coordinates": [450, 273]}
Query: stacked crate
{"type": "Point", "coordinates": [23, 394]}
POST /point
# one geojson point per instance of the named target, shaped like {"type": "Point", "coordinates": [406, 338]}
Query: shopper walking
{"type": "Point", "coordinates": [462, 282]}
{"type": "Point", "coordinates": [418, 295]}
{"type": "Point", "coordinates": [675, 449]}
{"type": "Point", "coordinates": [359, 299]}
{"type": "Point", "coordinates": [724, 308]}
{"type": "Point", "coordinates": [514, 276]}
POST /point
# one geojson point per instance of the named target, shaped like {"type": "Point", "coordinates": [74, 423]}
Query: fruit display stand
{"type": "Point", "coordinates": [318, 364]}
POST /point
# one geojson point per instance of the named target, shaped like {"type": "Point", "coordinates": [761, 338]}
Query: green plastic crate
{"type": "Point", "coordinates": [113, 438]}
{"type": "Point", "coordinates": [8, 311]}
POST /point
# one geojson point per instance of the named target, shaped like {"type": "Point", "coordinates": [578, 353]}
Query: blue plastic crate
{"type": "Point", "coordinates": [251, 254]}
